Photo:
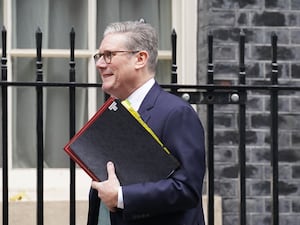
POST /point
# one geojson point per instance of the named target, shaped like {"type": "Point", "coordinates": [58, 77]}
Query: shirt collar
{"type": "Point", "coordinates": [137, 97]}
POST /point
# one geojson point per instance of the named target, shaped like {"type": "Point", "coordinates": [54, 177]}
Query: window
{"type": "Point", "coordinates": [55, 18]}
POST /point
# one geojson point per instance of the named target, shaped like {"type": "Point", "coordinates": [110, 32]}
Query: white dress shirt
{"type": "Point", "coordinates": [135, 99]}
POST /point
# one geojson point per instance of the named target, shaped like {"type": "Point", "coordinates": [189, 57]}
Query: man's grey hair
{"type": "Point", "coordinates": [141, 36]}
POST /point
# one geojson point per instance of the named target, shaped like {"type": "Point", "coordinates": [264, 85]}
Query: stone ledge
{"type": "Point", "coordinates": [55, 212]}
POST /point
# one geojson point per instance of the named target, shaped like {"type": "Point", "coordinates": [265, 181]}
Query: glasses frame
{"type": "Point", "coordinates": [107, 55]}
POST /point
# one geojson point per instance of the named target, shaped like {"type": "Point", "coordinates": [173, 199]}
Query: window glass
{"type": "Point", "coordinates": [55, 18]}
{"type": "Point", "coordinates": [157, 13]}
{"type": "Point", "coordinates": [163, 75]}
{"type": "Point", "coordinates": [56, 111]}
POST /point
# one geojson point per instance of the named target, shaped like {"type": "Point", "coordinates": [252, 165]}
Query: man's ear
{"type": "Point", "coordinates": [142, 59]}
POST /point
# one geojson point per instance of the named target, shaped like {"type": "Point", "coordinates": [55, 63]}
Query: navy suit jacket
{"type": "Point", "coordinates": [178, 199]}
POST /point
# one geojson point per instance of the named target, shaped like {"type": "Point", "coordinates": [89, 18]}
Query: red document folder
{"type": "Point", "coordinates": [116, 133]}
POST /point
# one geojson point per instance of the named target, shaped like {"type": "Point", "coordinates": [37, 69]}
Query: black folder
{"type": "Point", "coordinates": [117, 133]}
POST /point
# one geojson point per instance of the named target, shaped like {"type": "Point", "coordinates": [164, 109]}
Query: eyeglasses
{"type": "Point", "coordinates": [107, 55]}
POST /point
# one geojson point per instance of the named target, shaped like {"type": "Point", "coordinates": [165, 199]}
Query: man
{"type": "Point", "coordinates": [127, 61]}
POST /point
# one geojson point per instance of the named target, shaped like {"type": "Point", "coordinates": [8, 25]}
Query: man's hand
{"type": "Point", "coordinates": [108, 189]}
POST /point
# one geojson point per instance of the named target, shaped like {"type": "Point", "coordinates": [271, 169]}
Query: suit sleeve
{"type": "Point", "coordinates": [183, 135]}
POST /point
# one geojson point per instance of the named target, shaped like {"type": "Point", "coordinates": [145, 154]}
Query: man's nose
{"type": "Point", "coordinates": [101, 63]}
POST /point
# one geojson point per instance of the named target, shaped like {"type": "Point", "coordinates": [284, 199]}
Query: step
{"type": "Point", "coordinates": [55, 212]}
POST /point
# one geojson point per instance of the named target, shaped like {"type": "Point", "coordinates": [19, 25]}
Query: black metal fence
{"type": "Point", "coordinates": [208, 94]}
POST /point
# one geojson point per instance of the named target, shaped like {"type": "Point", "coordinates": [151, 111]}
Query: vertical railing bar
{"type": "Point", "coordinates": [274, 132]}
{"type": "Point", "coordinates": [40, 135]}
{"type": "Point", "coordinates": [242, 132]}
{"type": "Point", "coordinates": [72, 128]}
{"type": "Point", "coordinates": [4, 132]}
{"type": "Point", "coordinates": [174, 60]}
{"type": "Point", "coordinates": [210, 133]}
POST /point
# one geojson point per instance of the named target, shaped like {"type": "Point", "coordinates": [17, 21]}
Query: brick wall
{"type": "Point", "coordinates": [258, 19]}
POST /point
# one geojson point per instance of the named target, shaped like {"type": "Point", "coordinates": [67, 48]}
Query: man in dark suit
{"type": "Point", "coordinates": [127, 61]}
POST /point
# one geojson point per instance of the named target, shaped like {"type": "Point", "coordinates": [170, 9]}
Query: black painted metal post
{"type": "Point", "coordinates": [4, 132]}
{"type": "Point", "coordinates": [242, 133]}
{"type": "Point", "coordinates": [174, 59]}
{"type": "Point", "coordinates": [40, 133]}
{"type": "Point", "coordinates": [72, 128]}
{"type": "Point", "coordinates": [274, 131]}
{"type": "Point", "coordinates": [210, 133]}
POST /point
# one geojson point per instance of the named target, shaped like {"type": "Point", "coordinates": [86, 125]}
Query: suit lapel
{"type": "Point", "coordinates": [149, 102]}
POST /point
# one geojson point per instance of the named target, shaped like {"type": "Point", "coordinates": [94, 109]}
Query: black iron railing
{"type": "Point", "coordinates": [208, 94]}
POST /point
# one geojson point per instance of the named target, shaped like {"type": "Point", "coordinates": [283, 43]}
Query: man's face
{"type": "Point", "coordinates": [117, 69]}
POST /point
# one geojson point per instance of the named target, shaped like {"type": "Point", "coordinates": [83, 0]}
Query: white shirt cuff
{"type": "Point", "coordinates": [120, 199]}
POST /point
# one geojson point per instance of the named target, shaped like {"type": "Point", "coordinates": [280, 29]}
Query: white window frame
{"type": "Point", "coordinates": [184, 18]}
{"type": "Point", "coordinates": [56, 181]}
